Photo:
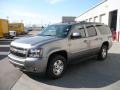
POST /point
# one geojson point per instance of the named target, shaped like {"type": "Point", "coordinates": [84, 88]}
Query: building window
{"type": "Point", "coordinates": [90, 20]}
{"type": "Point", "coordinates": [96, 19]}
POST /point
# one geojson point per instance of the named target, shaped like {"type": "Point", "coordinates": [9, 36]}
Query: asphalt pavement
{"type": "Point", "coordinates": [4, 48]}
{"type": "Point", "coordinates": [8, 73]}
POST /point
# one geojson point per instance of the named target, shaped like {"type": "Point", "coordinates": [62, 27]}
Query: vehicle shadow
{"type": "Point", "coordinates": [87, 74]}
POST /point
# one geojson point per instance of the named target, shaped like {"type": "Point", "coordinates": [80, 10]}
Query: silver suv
{"type": "Point", "coordinates": [51, 50]}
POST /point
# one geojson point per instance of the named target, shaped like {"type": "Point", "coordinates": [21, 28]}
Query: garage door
{"type": "Point", "coordinates": [102, 18]}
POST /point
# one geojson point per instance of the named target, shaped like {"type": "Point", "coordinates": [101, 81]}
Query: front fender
{"type": "Point", "coordinates": [51, 51]}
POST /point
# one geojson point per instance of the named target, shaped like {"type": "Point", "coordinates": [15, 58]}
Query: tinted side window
{"type": "Point", "coordinates": [80, 30]}
{"type": "Point", "coordinates": [91, 31]}
{"type": "Point", "coordinates": [103, 29]}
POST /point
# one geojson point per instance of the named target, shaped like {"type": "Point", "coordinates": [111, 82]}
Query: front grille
{"type": "Point", "coordinates": [20, 52]}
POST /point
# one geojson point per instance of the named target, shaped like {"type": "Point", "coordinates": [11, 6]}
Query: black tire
{"type": "Point", "coordinates": [102, 55]}
{"type": "Point", "coordinates": [51, 66]}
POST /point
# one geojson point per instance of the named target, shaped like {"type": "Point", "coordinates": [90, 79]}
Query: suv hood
{"type": "Point", "coordinates": [31, 41]}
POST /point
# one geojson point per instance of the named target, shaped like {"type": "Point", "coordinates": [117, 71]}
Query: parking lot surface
{"type": "Point", "coordinates": [87, 75]}
{"type": "Point", "coordinates": [8, 73]}
{"type": "Point", "coordinates": [4, 48]}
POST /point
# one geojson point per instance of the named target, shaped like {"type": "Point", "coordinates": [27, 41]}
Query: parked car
{"type": "Point", "coordinates": [12, 34]}
{"type": "Point", "coordinates": [59, 44]}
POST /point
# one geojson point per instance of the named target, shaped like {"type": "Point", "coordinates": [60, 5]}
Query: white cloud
{"type": "Point", "coordinates": [28, 17]}
{"type": "Point", "coordinates": [23, 13]}
{"type": "Point", "coordinates": [54, 1]}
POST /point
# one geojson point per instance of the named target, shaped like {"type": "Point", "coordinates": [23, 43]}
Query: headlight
{"type": "Point", "coordinates": [35, 53]}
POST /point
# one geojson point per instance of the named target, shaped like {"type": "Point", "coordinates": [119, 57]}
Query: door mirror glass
{"type": "Point", "coordinates": [75, 35]}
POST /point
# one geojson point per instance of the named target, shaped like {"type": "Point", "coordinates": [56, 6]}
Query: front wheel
{"type": "Point", "coordinates": [56, 66]}
{"type": "Point", "coordinates": [103, 53]}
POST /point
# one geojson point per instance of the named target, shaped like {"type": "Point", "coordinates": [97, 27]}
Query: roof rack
{"type": "Point", "coordinates": [84, 22]}
{"type": "Point", "coordinates": [80, 22]}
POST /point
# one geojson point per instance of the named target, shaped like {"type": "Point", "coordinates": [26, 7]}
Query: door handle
{"type": "Point", "coordinates": [69, 44]}
{"type": "Point", "coordinates": [96, 38]}
{"type": "Point", "coordinates": [85, 41]}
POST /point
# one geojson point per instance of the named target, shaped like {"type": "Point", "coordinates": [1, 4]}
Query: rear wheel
{"type": "Point", "coordinates": [56, 66]}
{"type": "Point", "coordinates": [103, 52]}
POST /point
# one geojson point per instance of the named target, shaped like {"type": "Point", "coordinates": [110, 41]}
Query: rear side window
{"type": "Point", "coordinates": [103, 29]}
{"type": "Point", "coordinates": [91, 31]}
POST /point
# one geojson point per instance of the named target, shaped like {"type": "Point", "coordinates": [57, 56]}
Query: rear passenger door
{"type": "Point", "coordinates": [94, 40]}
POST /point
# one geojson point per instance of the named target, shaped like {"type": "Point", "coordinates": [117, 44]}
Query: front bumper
{"type": "Point", "coordinates": [28, 64]}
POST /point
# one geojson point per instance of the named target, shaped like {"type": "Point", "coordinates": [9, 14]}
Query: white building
{"type": "Point", "coordinates": [107, 12]}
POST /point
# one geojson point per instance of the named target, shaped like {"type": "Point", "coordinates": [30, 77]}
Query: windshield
{"type": "Point", "coordinates": [56, 30]}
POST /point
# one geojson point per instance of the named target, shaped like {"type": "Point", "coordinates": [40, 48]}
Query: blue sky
{"type": "Point", "coordinates": [43, 11]}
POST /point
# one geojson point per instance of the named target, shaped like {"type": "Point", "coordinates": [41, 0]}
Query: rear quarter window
{"type": "Point", "coordinates": [91, 31]}
{"type": "Point", "coordinates": [103, 29]}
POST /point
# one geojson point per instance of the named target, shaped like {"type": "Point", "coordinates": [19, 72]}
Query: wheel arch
{"type": "Point", "coordinates": [61, 52]}
{"type": "Point", "coordinates": [106, 43]}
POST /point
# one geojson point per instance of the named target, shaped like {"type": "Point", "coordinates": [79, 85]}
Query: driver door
{"type": "Point", "coordinates": [78, 46]}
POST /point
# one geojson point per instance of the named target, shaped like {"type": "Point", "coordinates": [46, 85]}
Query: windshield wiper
{"type": "Point", "coordinates": [45, 35]}
{"type": "Point", "coordinates": [48, 35]}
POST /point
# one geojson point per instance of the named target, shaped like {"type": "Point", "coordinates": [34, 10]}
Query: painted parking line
{"type": "Point", "coordinates": [4, 53]}
{"type": "Point", "coordinates": [4, 45]}
{"type": "Point", "coordinates": [6, 39]}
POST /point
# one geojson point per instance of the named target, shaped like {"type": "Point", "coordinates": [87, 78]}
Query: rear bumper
{"type": "Point", "coordinates": [29, 64]}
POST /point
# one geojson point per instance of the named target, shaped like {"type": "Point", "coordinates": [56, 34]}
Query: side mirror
{"type": "Point", "coordinates": [75, 35]}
